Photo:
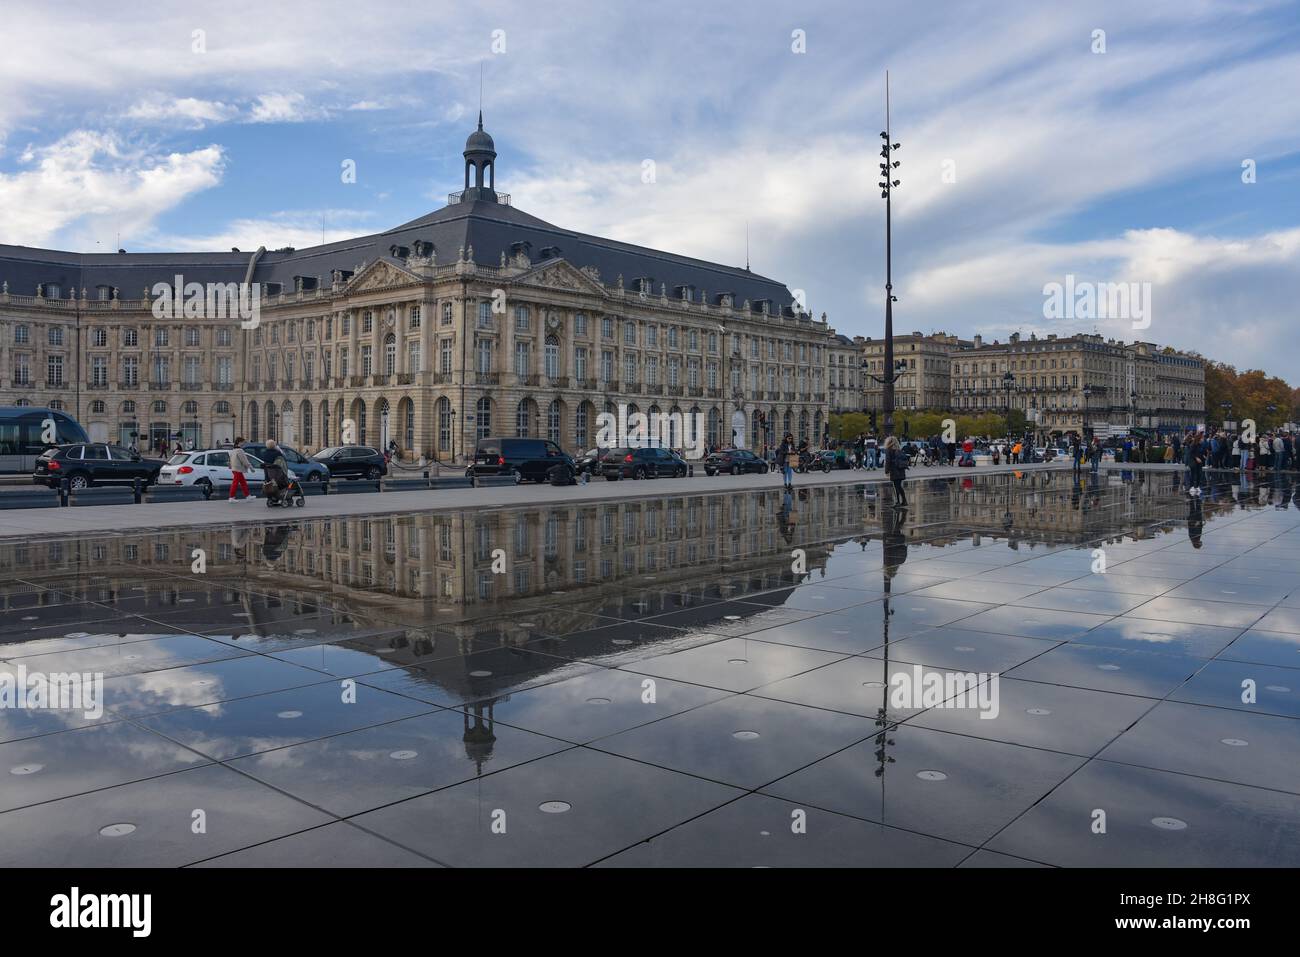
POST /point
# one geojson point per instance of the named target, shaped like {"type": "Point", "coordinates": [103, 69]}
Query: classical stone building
{"type": "Point", "coordinates": [924, 364]}
{"type": "Point", "coordinates": [1062, 384]}
{"type": "Point", "coordinates": [1081, 383]}
{"type": "Point", "coordinates": [477, 319]}
{"type": "Point", "coordinates": [844, 375]}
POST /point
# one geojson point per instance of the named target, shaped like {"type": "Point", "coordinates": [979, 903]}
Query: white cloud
{"type": "Point", "coordinates": [296, 228]}
{"type": "Point", "coordinates": [192, 113]}
{"type": "Point", "coordinates": [283, 108]}
{"type": "Point", "coordinates": [88, 184]}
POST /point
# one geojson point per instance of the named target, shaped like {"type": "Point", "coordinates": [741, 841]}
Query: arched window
{"type": "Point", "coordinates": [786, 424]}
{"type": "Point", "coordinates": [581, 426]}
{"type": "Point", "coordinates": [160, 407]}
{"type": "Point", "coordinates": [522, 417]}
{"type": "Point", "coordinates": [553, 418]}
{"type": "Point", "coordinates": [305, 438]}
{"type": "Point", "coordinates": [128, 407]}
{"type": "Point", "coordinates": [190, 407]}
{"type": "Point", "coordinates": [390, 355]}
{"type": "Point", "coordinates": [715, 427]}
{"type": "Point", "coordinates": [552, 357]}
{"type": "Point", "coordinates": [803, 426]}
{"type": "Point", "coordinates": [444, 424]}
{"type": "Point", "coordinates": [97, 407]}
{"type": "Point", "coordinates": [222, 408]}
{"type": "Point", "coordinates": [483, 418]}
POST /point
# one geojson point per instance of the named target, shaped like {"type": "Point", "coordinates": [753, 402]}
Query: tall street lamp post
{"type": "Point", "coordinates": [887, 184]}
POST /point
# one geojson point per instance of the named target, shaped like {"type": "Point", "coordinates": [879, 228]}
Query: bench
{"type": "Point", "coordinates": [102, 495]}
{"type": "Point", "coordinates": [34, 497]}
{"type": "Point", "coordinates": [179, 493]}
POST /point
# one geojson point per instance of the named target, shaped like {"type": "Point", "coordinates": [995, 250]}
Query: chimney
{"type": "Point", "coordinates": [979, 341]}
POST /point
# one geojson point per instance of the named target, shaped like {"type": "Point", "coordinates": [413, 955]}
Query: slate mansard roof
{"type": "Point", "coordinates": [491, 228]}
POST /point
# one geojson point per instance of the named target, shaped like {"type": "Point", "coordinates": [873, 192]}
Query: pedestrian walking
{"type": "Point", "coordinates": [788, 458]}
{"type": "Point", "coordinates": [239, 465]}
{"type": "Point", "coordinates": [896, 469]}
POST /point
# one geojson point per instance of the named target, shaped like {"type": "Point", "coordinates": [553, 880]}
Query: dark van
{"type": "Point", "coordinates": [525, 459]}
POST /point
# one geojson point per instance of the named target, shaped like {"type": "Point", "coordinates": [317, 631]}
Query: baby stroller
{"type": "Point", "coordinates": [280, 488]}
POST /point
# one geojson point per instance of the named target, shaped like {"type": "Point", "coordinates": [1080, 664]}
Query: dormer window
{"type": "Point", "coordinates": [399, 252]}
{"type": "Point", "coordinates": [273, 288]}
{"type": "Point", "coordinates": [550, 252]}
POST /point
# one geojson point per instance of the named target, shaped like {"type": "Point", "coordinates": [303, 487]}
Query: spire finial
{"type": "Point", "coordinates": [480, 95]}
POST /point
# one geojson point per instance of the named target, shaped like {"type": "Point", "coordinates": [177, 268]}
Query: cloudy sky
{"type": "Point", "coordinates": [1028, 155]}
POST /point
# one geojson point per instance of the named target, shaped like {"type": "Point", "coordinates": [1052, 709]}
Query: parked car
{"type": "Point", "coordinates": [637, 463]}
{"type": "Point", "coordinates": [588, 461]}
{"type": "Point", "coordinates": [93, 463]}
{"type": "Point", "coordinates": [310, 469]}
{"type": "Point", "coordinates": [734, 461]}
{"type": "Point", "coordinates": [210, 467]}
{"type": "Point", "coordinates": [352, 462]}
{"type": "Point", "coordinates": [525, 459]}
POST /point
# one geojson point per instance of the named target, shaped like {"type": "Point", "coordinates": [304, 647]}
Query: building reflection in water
{"type": "Point", "coordinates": [430, 589]}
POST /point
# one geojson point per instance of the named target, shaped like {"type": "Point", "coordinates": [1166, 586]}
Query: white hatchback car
{"type": "Point", "coordinates": [207, 467]}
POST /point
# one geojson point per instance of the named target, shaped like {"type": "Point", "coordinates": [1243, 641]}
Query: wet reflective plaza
{"type": "Point", "coordinates": [681, 680]}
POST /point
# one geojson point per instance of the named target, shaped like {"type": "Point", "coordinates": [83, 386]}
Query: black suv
{"type": "Point", "coordinates": [94, 464]}
{"type": "Point", "coordinates": [311, 471]}
{"type": "Point", "coordinates": [734, 461]}
{"type": "Point", "coordinates": [637, 463]}
{"type": "Point", "coordinates": [525, 459]}
{"type": "Point", "coordinates": [352, 461]}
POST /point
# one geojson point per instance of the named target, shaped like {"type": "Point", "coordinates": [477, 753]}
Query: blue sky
{"type": "Point", "coordinates": [1123, 165]}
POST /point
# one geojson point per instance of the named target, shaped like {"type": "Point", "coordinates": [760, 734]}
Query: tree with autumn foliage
{"type": "Point", "coordinates": [1251, 393]}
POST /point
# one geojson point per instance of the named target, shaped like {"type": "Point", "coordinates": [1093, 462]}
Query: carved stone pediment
{"type": "Point", "coordinates": [379, 275]}
{"type": "Point", "coordinates": [561, 274]}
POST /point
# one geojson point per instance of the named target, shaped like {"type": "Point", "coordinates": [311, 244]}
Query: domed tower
{"type": "Point", "coordinates": [480, 156]}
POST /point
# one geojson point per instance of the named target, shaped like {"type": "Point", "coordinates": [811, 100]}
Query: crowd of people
{"type": "Point", "coordinates": [1232, 452]}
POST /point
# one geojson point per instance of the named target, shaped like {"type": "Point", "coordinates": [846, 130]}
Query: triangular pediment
{"type": "Point", "coordinates": [381, 274]}
{"type": "Point", "coordinates": [561, 274]}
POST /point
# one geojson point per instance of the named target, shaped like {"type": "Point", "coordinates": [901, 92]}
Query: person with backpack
{"type": "Point", "coordinates": [896, 469]}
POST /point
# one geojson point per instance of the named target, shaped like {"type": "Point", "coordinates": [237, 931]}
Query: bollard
{"type": "Point", "coordinates": [135, 487]}
{"type": "Point", "coordinates": [207, 491]}
{"type": "Point", "coordinates": [63, 493]}
{"type": "Point", "coordinates": [427, 483]}
{"type": "Point", "coordinates": [325, 485]}
{"type": "Point", "coordinates": [690, 471]}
